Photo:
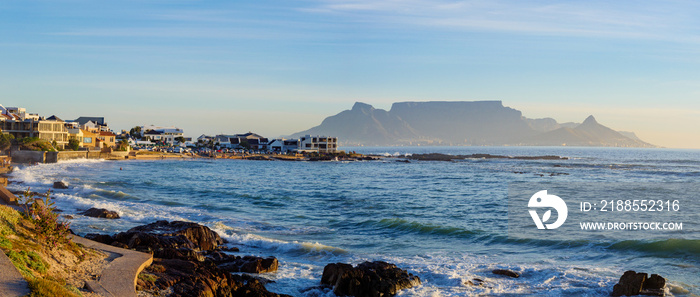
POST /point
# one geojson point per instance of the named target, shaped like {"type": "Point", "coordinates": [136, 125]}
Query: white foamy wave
{"type": "Point", "coordinates": [472, 276]}
{"type": "Point", "coordinates": [275, 245]}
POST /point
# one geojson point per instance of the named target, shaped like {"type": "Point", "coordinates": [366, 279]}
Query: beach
{"type": "Point", "coordinates": [445, 222]}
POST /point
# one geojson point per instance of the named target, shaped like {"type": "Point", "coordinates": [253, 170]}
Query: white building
{"type": "Point", "coordinates": [321, 144]}
{"type": "Point", "coordinates": [283, 145]}
{"type": "Point", "coordinates": [164, 134]}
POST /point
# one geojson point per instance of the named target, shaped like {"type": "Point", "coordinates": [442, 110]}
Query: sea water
{"type": "Point", "coordinates": [446, 222]}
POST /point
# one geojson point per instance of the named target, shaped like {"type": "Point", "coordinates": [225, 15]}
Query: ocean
{"type": "Point", "coordinates": [446, 222]}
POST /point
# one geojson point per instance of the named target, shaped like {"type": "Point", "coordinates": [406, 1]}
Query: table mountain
{"type": "Point", "coordinates": [461, 123]}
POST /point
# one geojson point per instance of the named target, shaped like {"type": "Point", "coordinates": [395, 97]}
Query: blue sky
{"type": "Point", "coordinates": [278, 67]}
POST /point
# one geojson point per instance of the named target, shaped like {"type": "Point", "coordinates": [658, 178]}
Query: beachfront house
{"type": "Point", "coordinates": [167, 135]}
{"type": "Point", "coordinates": [23, 126]}
{"type": "Point", "coordinates": [282, 145]}
{"type": "Point", "coordinates": [92, 124]}
{"type": "Point", "coordinates": [321, 144]}
{"type": "Point", "coordinates": [106, 139]}
{"type": "Point", "coordinates": [248, 140]}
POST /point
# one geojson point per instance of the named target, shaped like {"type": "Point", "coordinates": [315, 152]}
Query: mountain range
{"type": "Point", "coordinates": [463, 123]}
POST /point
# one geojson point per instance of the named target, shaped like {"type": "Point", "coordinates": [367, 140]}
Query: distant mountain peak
{"type": "Point", "coordinates": [362, 106]}
{"type": "Point", "coordinates": [589, 120]}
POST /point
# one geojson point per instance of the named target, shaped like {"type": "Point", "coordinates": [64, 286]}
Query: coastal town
{"type": "Point", "coordinates": [24, 131]}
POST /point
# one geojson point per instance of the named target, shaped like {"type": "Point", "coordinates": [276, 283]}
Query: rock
{"type": "Point", "coordinates": [101, 213]}
{"type": "Point", "coordinates": [187, 278]}
{"type": "Point", "coordinates": [202, 238]}
{"type": "Point", "coordinates": [654, 282]}
{"type": "Point", "coordinates": [373, 279]}
{"type": "Point", "coordinates": [68, 217]}
{"type": "Point", "coordinates": [506, 272]}
{"type": "Point", "coordinates": [637, 283]}
{"type": "Point", "coordinates": [60, 185]}
{"type": "Point", "coordinates": [251, 264]}
{"type": "Point", "coordinates": [475, 282]}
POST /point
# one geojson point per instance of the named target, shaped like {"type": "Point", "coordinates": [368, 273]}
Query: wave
{"type": "Point", "coordinates": [669, 247]}
{"type": "Point", "coordinates": [275, 245]}
{"type": "Point", "coordinates": [422, 228]}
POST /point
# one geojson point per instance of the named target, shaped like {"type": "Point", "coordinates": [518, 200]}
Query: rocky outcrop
{"type": "Point", "coordinates": [60, 185]}
{"type": "Point", "coordinates": [373, 279]}
{"type": "Point", "coordinates": [251, 264]}
{"type": "Point", "coordinates": [638, 283]}
{"type": "Point", "coordinates": [189, 260]}
{"type": "Point", "coordinates": [168, 240]}
{"type": "Point", "coordinates": [101, 213]}
{"type": "Point", "coordinates": [506, 272]}
{"type": "Point", "coordinates": [187, 278]}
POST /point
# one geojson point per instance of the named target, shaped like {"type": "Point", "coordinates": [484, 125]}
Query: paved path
{"type": "Point", "coordinates": [11, 281]}
{"type": "Point", "coordinates": [119, 277]}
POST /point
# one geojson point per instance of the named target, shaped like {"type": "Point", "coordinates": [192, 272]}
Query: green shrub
{"type": "Point", "coordinates": [49, 229]}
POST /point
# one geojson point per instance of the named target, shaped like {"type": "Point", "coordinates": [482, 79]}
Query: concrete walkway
{"type": "Point", "coordinates": [11, 281]}
{"type": "Point", "coordinates": [119, 277]}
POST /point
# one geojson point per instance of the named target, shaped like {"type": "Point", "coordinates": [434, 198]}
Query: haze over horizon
{"type": "Point", "coordinates": [279, 67]}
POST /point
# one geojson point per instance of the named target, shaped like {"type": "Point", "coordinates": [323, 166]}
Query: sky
{"type": "Point", "coordinates": [279, 67]}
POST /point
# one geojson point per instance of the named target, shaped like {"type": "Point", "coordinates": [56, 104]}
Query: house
{"type": "Point", "coordinates": [49, 130]}
{"type": "Point", "coordinates": [106, 139]}
{"type": "Point", "coordinates": [167, 135]}
{"type": "Point", "coordinates": [283, 145]}
{"type": "Point", "coordinates": [238, 141]}
{"type": "Point", "coordinates": [86, 139]}
{"type": "Point", "coordinates": [92, 124]}
{"type": "Point", "coordinates": [321, 144]}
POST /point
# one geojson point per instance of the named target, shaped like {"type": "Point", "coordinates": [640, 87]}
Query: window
{"type": "Point", "coordinates": [87, 140]}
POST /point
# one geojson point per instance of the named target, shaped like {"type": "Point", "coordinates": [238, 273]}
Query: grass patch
{"type": "Point", "coordinates": [147, 277]}
{"type": "Point", "coordinates": [5, 243]}
{"type": "Point", "coordinates": [28, 262]}
{"type": "Point", "coordinates": [49, 288]}
{"type": "Point", "coordinates": [8, 219]}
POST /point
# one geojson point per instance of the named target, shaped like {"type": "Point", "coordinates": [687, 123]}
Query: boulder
{"type": "Point", "coordinates": [201, 237]}
{"type": "Point", "coordinates": [372, 279]}
{"type": "Point", "coordinates": [638, 283]}
{"type": "Point", "coordinates": [60, 185]}
{"type": "Point", "coordinates": [506, 272]}
{"type": "Point", "coordinates": [100, 213]}
{"type": "Point", "coordinates": [167, 240]}
{"type": "Point", "coordinates": [187, 278]}
{"type": "Point", "coordinates": [251, 264]}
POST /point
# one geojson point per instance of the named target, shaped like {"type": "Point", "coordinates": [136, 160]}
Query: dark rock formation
{"type": "Point", "coordinates": [633, 283]}
{"type": "Point", "coordinates": [506, 272]}
{"type": "Point", "coordinates": [187, 278]}
{"type": "Point", "coordinates": [251, 264]}
{"type": "Point", "coordinates": [373, 279]}
{"type": "Point", "coordinates": [186, 256]}
{"type": "Point", "coordinates": [60, 185]}
{"type": "Point", "coordinates": [100, 213]}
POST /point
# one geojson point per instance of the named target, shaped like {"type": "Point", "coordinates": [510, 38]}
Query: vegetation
{"type": "Point", "coordinates": [135, 132]}
{"type": "Point", "coordinates": [35, 144]}
{"type": "Point", "coordinates": [23, 240]}
{"type": "Point", "coordinates": [123, 145]}
{"type": "Point", "coordinates": [180, 139]}
{"type": "Point", "coordinates": [74, 144]}
{"type": "Point", "coordinates": [43, 214]}
{"type": "Point", "coordinates": [6, 141]}
{"type": "Point", "coordinates": [46, 287]}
